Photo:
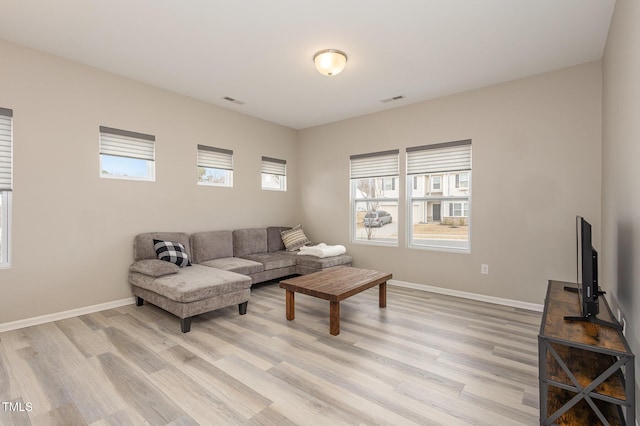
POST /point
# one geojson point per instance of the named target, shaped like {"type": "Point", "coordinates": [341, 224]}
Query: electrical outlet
{"type": "Point", "coordinates": [484, 268]}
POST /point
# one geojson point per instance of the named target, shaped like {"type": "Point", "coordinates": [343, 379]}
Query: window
{"type": "Point", "coordinates": [215, 166]}
{"type": "Point", "coordinates": [390, 184]}
{"type": "Point", "coordinates": [462, 180]}
{"type": "Point", "coordinates": [126, 155]}
{"type": "Point", "coordinates": [439, 217]}
{"type": "Point", "coordinates": [459, 209]}
{"type": "Point", "coordinates": [274, 174]}
{"type": "Point", "coordinates": [436, 183]}
{"type": "Point", "coordinates": [374, 197]}
{"type": "Point", "coordinates": [6, 181]}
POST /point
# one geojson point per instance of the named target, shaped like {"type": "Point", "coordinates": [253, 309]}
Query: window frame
{"type": "Point", "coordinates": [276, 169]}
{"type": "Point", "coordinates": [447, 160]}
{"type": "Point", "coordinates": [208, 157]}
{"type": "Point", "coordinates": [5, 228]}
{"type": "Point", "coordinates": [132, 146]}
{"type": "Point", "coordinates": [366, 167]}
{"type": "Point", "coordinates": [6, 185]}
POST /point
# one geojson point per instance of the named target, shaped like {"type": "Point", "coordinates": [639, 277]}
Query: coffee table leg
{"type": "Point", "coordinates": [291, 305]}
{"type": "Point", "coordinates": [383, 295]}
{"type": "Point", "coordinates": [334, 318]}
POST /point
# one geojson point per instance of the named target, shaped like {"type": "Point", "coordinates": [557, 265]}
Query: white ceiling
{"type": "Point", "coordinates": [260, 52]}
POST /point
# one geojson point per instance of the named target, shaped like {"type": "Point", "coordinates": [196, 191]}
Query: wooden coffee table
{"type": "Point", "coordinates": [334, 285]}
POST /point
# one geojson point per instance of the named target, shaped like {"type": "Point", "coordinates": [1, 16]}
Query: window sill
{"type": "Point", "coordinates": [461, 250]}
{"type": "Point", "coordinates": [218, 185]}
{"type": "Point", "coordinates": [141, 179]}
{"type": "Point", "coordinates": [375, 243]}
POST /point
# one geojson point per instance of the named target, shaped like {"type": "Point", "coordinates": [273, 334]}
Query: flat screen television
{"type": "Point", "coordinates": [587, 277]}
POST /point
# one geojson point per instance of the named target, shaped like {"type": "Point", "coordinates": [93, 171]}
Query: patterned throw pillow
{"type": "Point", "coordinates": [294, 238]}
{"type": "Point", "coordinates": [171, 252]}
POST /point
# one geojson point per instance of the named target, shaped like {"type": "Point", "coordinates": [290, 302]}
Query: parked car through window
{"type": "Point", "coordinates": [377, 218]}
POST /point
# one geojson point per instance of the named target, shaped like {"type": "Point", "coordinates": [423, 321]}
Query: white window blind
{"type": "Point", "coordinates": [123, 143]}
{"type": "Point", "coordinates": [215, 158]}
{"type": "Point", "coordinates": [6, 151]}
{"type": "Point", "coordinates": [274, 166]}
{"type": "Point", "coordinates": [375, 164]}
{"type": "Point", "coordinates": [439, 158]}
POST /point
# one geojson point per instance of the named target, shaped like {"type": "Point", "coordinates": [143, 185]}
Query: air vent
{"type": "Point", "coordinates": [235, 101]}
{"type": "Point", "coordinates": [395, 98]}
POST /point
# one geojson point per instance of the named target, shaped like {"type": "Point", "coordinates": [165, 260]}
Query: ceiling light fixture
{"type": "Point", "coordinates": [330, 61]}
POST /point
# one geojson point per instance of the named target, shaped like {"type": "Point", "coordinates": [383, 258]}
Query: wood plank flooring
{"type": "Point", "coordinates": [425, 359]}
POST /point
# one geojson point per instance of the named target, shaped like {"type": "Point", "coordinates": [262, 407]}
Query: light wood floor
{"type": "Point", "coordinates": [424, 359]}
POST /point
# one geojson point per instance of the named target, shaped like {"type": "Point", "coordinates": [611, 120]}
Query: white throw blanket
{"type": "Point", "coordinates": [322, 250]}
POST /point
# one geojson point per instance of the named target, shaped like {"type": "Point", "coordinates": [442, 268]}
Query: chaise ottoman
{"type": "Point", "coordinates": [184, 291]}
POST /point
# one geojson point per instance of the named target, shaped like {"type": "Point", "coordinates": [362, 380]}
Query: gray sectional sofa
{"type": "Point", "coordinates": [224, 265]}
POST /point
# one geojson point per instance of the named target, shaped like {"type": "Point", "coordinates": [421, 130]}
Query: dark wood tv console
{"type": "Point", "coordinates": [586, 372]}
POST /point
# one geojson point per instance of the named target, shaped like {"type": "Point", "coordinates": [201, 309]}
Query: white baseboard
{"type": "Point", "coordinates": [473, 296]}
{"type": "Point", "coordinates": [28, 322]}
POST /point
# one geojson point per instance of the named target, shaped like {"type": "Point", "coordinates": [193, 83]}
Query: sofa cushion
{"type": "Point", "coordinates": [274, 239]}
{"type": "Point", "coordinates": [249, 241]}
{"type": "Point", "coordinates": [235, 264]}
{"type": "Point", "coordinates": [154, 267]}
{"type": "Point", "coordinates": [272, 260]}
{"type": "Point", "coordinates": [294, 238]}
{"type": "Point", "coordinates": [211, 245]}
{"type": "Point", "coordinates": [143, 243]}
{"type": "Point", "coordinates": [172, 252]}
{"type": "Point", "coordinates": [192, 284]}
{"type": "Point", "coordinates": [323, 262]}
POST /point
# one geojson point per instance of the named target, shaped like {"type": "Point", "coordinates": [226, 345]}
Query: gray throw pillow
{"type": "Point", "coordinates": [294, 238]}
{"type": "Point", "coordinates": [154, 267]}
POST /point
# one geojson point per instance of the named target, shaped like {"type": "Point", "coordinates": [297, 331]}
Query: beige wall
{"type": "Point", "coordinates": [536, 165]}
{"type": "Point", "coordinates": [73, 231]}
{"type": "Point", "coordinates": [620, 256]}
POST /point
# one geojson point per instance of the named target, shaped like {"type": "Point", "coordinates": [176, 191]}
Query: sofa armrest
{"type": "Point", "coordinates": [154, 267]}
